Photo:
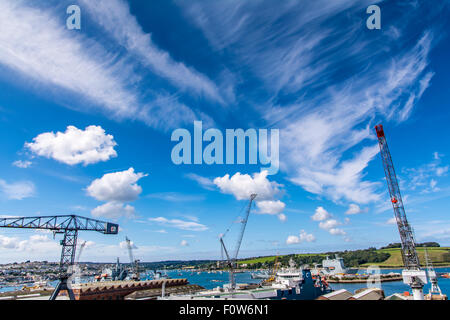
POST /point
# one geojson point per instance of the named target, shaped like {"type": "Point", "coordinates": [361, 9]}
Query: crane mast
{"type": "Point", "coordinates": [232, 260]}
{"type": "Point", "coordinates": [412, 274]}
{"type": "Point", "coordinates": [134, 263]}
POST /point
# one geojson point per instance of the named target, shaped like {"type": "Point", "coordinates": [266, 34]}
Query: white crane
{"type": "Point", "coordinates": [134, 263]}
{"type": "Point", "coordinates": [434, 290]}
{"type": "Point", "coordinates": [231, 261]}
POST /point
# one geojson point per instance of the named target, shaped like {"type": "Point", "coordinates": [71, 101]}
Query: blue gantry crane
{"type": "Point", "coordinates": [69, 226]}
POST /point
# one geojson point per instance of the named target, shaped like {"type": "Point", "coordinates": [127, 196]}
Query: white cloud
{"type": "Point", "coordinates": [124, 245]}
{"type": "Point", "coordinates": [17, 190]}
{"type": "Point", "coordinates": [118, 186]}
{"type": "Point", "coordinates": [270, 207]}
{"type": "Point", "coordinates": [58, 58]}
{"type": "Point", "coordinates": [184, 243]}
{"type": "Point", "coordinates": [392, 220]}
{"type": "Point", "coordinates": [304, 236]}
{"type": "Point", "coordinates": [241, 186]}
{"type": "Point", "coordinates": [320, 214]}
{"type": "Point", "coordinates": [111, 13]}
{"type": "Point", "coordinates": [75, 146]}
{"type": "Point", "coordinates": [328, 224]}
{"type": "Point", "coordinates": [22, 164]}
{"type": "Point", "coordinates": [292, 240]}
{"type": "Point", "coordinates": [425, 177]}
{"type": "Point", "coordinates": [282, 217]}
{"type": "Point", "coordinates": [176, 197]}
{"type": "Point", "coordinates": [353, 209]}
{"type": "Point", "coordinates": [308, 237]}
{"type": "Point", "coordinates": [337, 231]}
{"type": "Point", "coordinates": [113, 210]}
{"type": "Point", "coordinates": [202, 181]}
{"type": "Point", "coordinates": [35, 243]}
{"type": "Point", "coordinates": [8, 242]}
{"type": "Point", "coordinates": [81, 74]}
{"type": "Point", "coordinates": [179, 224]}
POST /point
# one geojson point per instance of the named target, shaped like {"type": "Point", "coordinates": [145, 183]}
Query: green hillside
{"type": "Point", "coordinates": [440, 256]}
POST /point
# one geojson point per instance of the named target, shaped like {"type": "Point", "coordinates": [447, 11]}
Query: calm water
{"type": "Point", "coordinates": [205, 280]}
{"type": "Point", "coordinates": [213, 280]}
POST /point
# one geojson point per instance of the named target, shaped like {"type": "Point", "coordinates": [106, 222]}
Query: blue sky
{"type": "Point", "coordinates": [86, 118]}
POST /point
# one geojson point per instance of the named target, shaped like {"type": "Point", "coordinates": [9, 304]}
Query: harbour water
{"type": "Point", "coordinates": [215, 279]}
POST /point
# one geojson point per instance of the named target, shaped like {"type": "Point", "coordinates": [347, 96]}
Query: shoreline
{"type": "Point", "coordinates": [386, 279]}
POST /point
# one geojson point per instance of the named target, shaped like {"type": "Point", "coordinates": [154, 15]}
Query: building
{"type": "Point", "coordinates": [117, 290]}
{"type": "Point", "coordinates": [336, 295]}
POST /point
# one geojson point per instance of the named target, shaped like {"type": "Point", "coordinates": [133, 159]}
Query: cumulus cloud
{"type": "Point", "coordinates": [241, 186]}
{"type": "Point", "coordinates": [320, 214]}
{"type": "Point", "coordinates": [328, 224]}
{"type": "Point", "coordinates": [118, 186]}
{"type": "Point", "coordinates": [35, 243]}
{"type": "Point", "coordinates": [179, 224]}
{"type": "Point", "coordinates": [124, 245]}
{"type": "Point", "coordinates": [282, 217]}
{"type": "Point", "coordinates": [75, 146]}
{"type": "Point", "coordinates": [8, 242]}
{"type": "Point", "coordinates": [337, 231]}
{"type": "Point", "coordinates": [353, 209]}
{"type": "Point", "coordinates": [184, 243]}
{"type": "Point", "coordinates": [114, 210]}
{"type": "Point", "coordinates": [270, 207]}
{"type": "Point", "coordinates": [292, 240]}
{"type": "Point", "coordinates": [17, 190]}
{"type": "Point", "coordinates": [22, 164]}
{"type": "Point", "coordinates": [392, 220]}
{"type": "Point", "coordinates": [303, 237]}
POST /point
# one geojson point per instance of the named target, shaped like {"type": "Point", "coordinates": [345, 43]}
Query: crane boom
{"type": "Point", "coordinates": [412, 274]}
{"type": "Point", "coordinates": [232, 260]}
{"type": "Point", "coordinates": [134, 263]}
{"type": "Point", "coordinates": [409, 253]}
{"type": "Point", "coordinates": [244, 224]}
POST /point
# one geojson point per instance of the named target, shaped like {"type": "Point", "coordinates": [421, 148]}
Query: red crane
{"type": "Point", "coordinates": [412, 275]}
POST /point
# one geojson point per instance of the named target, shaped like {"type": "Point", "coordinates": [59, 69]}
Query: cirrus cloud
{"type": "Point", "coordinates": [179, 224]}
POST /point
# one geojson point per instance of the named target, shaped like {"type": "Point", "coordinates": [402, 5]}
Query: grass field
{"type": "Point", "coordinates": [395, 260]}
{"type": "Point", "coordinates": [272, 258]}
{"type": "Point", "coordinates": [436, 255]}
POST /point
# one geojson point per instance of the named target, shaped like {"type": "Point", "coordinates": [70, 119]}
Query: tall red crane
{"type": "Point", "coordinates": [412, 274]}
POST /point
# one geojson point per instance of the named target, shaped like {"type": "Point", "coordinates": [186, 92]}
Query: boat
{"type": "Point", "coordinates": [331, 267]}
{"type": "Point", "coordinates": [288, 285]}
